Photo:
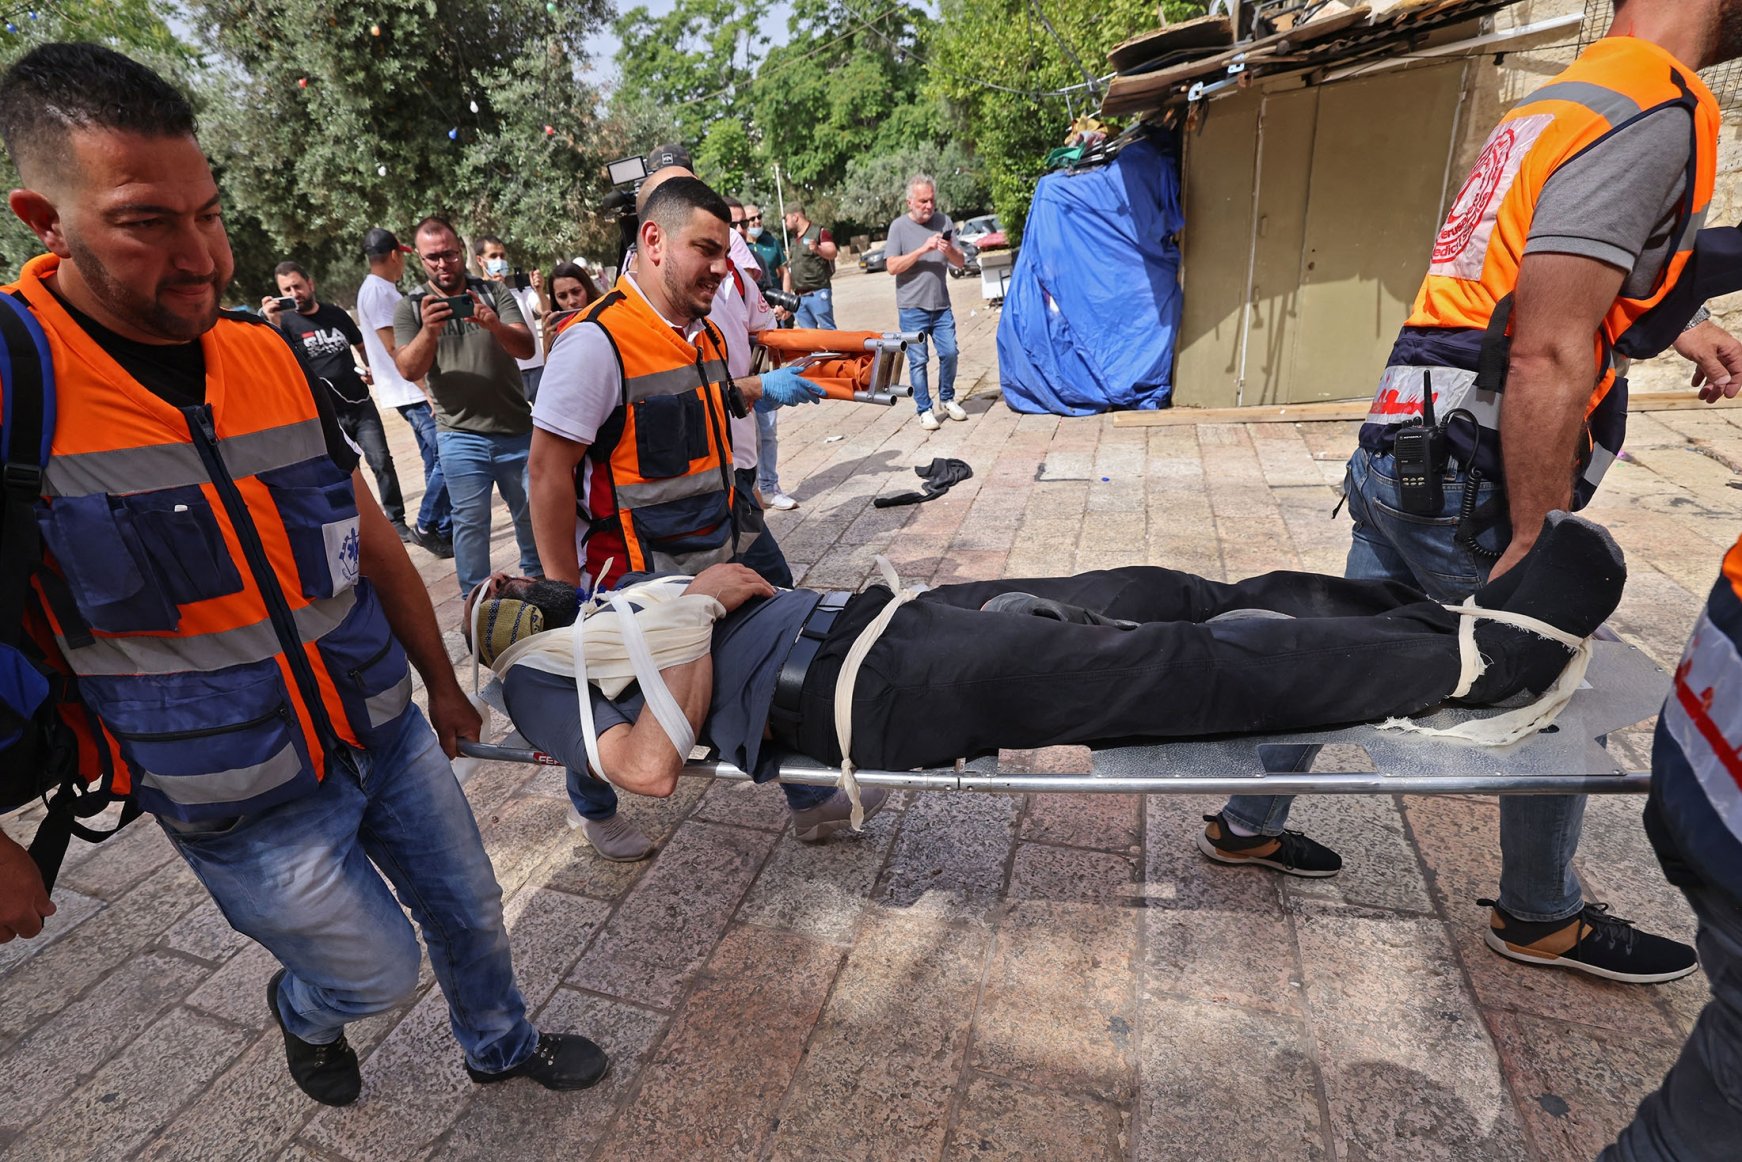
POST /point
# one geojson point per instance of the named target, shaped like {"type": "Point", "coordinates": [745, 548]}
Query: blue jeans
{"type": "Point", "coordinates": [817, 309]}
{"type": "Point", "coordinates": [472, 462]}
{"type": "Point", "coordinates": [301, 879]}
{"type": "Point", "coordinates": [529, 378]}
{"type": "Point", "coordinates": [940, 328]}
{"type": "Point", "coordinates": [1696, 1114]}
{"type": "Point", "coordinates": [1538, 833]}
{"type": "Point", "coordinates": [435, 513]}
{"type": "Point", "coordinates": [767, 452]}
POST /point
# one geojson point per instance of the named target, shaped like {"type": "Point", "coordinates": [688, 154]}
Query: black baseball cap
{"type": "Point", "coordinates": [379, 243]}
{"type": "Point", "coordinates": [669, 154]}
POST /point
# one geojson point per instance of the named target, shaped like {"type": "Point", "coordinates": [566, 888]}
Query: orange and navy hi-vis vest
{"type": "Point", "coordinates": [1457, 332]}
{"type": "Point", "coordinates": [201, 574]}
{"type": "Point", "coordinates": [658, 489]}
{"type": "Point", "coordinates": [1696, 758]}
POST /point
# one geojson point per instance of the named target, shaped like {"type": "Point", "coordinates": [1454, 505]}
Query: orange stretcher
{"type": "Point", "coordinates": [860, 366]}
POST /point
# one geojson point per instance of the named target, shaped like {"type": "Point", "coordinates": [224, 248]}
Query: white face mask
{"type": "Point", "coordinates": [755, 231]}
{"type": "Point", "coordinates": [495, 266]}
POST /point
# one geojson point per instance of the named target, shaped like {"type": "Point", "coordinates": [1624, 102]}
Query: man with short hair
{"type": "Point", "coordinates": [492, 255]}
{"type": "Point", "coordinates": [765, 245]}
{"type": "Point", "coordinates": [919, 250]}
{"type": "Point", "coordinates": [811, 271]}
{"type": "Point", "coordinates": [636, 408]}
{"type": "Point", "coordinates": [1563, 257]}
{"type": "Point", "coordinates": [483, 420]}
{"type": "Point", "coordinates": [251, 670]}
{"type": "Point", "coordinates": [332, 345]}
{"type": "Point", "coordinates": [771, 261]}
{"type": "Point", "coordinates": [377, 298]}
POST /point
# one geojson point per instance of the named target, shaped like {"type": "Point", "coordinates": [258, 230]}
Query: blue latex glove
{"type": "Point", "coordinates": [784, 387]}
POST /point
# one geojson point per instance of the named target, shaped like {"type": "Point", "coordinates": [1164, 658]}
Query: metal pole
{"type": "Point", "coordinates": [780, 196]}
{"type": "Point", "coordinates": [1309, 783]}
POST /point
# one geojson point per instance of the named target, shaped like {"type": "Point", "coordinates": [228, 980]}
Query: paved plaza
{"type": "Point", "coordinates": [973, 976]}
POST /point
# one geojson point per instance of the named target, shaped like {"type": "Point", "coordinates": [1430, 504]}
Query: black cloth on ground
{"type": "Point", "coordinates": [941, 475]}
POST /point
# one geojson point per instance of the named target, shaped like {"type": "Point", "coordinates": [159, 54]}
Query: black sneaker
{"type": "Point", "coordinates": [399, 527]}
{"type": "Point", "coordinates": [561, 1061]}
{"type": "Point", "coordinates": [430, 542]}
{"type": "Point", "coordinates": [1291, 852]}
{"type": "Point", "coordinates": [328, 1073]}
{"type": "Point", "coordinates": [1593, 942]}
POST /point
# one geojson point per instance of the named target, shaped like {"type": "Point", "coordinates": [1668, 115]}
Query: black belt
{"type": "Point", "coordinates": [783, 714]}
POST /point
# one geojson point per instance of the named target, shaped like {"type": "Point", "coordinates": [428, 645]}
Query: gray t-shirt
{"type": "Point", "coordinates": [1617, 203]}
{"type": "Point", "coordinates": [474, 383]}
{"type": "Point", "coordinates": [924, 284]}
{"type": "Point", "coordinates": [750, 643]}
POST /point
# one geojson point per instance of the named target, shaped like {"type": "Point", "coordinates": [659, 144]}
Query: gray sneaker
{"type": "Point", "coordinates": [815, 824]}
{"type": "Point", "coordinates": [616, 839]}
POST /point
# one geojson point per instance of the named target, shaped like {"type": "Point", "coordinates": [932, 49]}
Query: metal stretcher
{"type": "Point", "coordinates": [1622, 688]}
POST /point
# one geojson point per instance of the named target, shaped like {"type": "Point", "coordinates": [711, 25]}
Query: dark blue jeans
{"type": "Point", "coordinates": [435, 512]}
{"type": "Point", "coordinates": [302, 879]}
{"type": "Point", "coordinates": [363, 424]}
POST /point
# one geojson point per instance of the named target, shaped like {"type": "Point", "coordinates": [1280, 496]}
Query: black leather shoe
{"type": "Point", "coordinates": [327, 1073]}
{"type": "Point", "coordinates": [561, 1061]}
{"type": "Point", "coordinates": [431, 542]}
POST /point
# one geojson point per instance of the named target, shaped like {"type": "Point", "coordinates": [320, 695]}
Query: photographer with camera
{"type": "Point", "coordinates": [492, 255]}
{"type": "Point", "coordinates": [465, 335]}
{"type": "Point", "coordinates": [921, 246]}
{"type": "Point", "coordinates": [333, 346]}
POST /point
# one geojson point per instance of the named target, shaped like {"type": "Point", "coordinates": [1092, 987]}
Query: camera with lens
{"type": "Point", "coordinates": [785, 300]}
{"type": "Point", "coordinates": [626, 176]}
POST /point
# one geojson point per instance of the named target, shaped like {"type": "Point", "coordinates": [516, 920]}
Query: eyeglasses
{"type": "Point", "coordinates": [444, 257]}
{"type": "Point", "coordinates": [754, 218]}
{"type": "Point", "coordinates": [737, 221]}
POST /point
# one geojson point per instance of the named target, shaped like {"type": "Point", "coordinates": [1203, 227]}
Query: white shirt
{"type": "Point", "coordinates": [531, 307]}
{"type": "Point", "coordinates": [740, 309]}
{"type": "Point", "coordinates": [376, 299]}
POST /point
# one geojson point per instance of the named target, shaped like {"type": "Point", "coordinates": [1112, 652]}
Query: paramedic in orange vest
{"type": "Point", "coordinates": [236, 607]}
{"type": "Point", "coordinates": [1569, 251]}
{"type": "Point", "coordinates": [634, 417]}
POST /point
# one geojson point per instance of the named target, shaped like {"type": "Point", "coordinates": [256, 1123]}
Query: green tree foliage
{"type": "Point", "coordinates": [135, 27]}
{"type": "Point", "coordinates": [329, 117]}
{"type": "Point", "coordinates": [696, 60]}
{"type": "Point", "coordinates": [874, 192]}
{"type": "Point", "coordinates": [1008, 43]}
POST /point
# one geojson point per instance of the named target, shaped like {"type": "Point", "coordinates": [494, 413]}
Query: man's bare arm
{"type": "Point", "coordinates": [23, 901]}
{"type": "Point", "coordinates": [405, 601]}
{"type": "Point", "coordinates": [1559, 303]}
{"type": "Point", "coordinates": [550, 469]}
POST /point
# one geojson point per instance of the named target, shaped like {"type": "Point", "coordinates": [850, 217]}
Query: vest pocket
{"type": "Point", "coordinates": [692, 524]}
{"type": "Point", "coordinates": [96, 542]}
{"type": "Point", "coordinates": [368, 667]}
{"type": "Point", "coordinates": [181, 536]}
{"type": "Point", "coordinates": [207, 745]}
{"type": "Point", "coordinates": [671, 431]}
{"type": "Point", "coordinates": [319, 512]}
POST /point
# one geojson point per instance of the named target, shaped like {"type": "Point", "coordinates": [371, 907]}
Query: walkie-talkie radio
{"type": "Point", "coordinates": [1420, 452]}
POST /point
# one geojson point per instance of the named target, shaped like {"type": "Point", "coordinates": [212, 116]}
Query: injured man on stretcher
{"type": "Point", "coordinates": [1133, 653]}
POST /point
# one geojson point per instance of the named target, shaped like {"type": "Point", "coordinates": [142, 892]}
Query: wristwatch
{"type": "Point", "coordinates": [1700, 316]}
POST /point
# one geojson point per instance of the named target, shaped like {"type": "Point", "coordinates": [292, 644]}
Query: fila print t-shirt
{"type": "Point", "coordinates": [326, 337]}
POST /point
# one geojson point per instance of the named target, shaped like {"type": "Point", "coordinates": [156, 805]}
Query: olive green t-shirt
{"type": "Point", "coordinates": [474, 383]}
{"type": "Point", "coordinates": [810, 271]}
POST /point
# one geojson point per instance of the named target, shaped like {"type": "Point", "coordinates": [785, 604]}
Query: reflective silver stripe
{"type": "Point", "coordinates": [232, 786]}
{"type": "Point", "coordinates": [689, 562]}
{"type": "Point", "coordinates": [140, 654]}
{"type": "Point", "coordinates": [1601, 458]}
{"type": "Point", "coordinates": [155, 466]}
{"type": "Point", "coordinates": [671, 382]}
{"type": "Point", "coordinates": [390, 703]}
{"type": "Point", "coordinates": [1695, 225]}
{"type": "Point", "coordinates": [1606, 103]}
{"type": "Point", "coordinates": [1398, 400]}
{"type": "Point", "coordinates": [256, 452]}
{"type": "Point", "coordinates": [650, 492]}
{"type": "Point", "coordinates": [142, 469]}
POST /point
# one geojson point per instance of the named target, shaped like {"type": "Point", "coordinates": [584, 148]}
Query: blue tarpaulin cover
{"type": "Point", "coordinates": [1093, 305]}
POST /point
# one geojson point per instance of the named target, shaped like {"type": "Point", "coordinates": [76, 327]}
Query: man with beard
{"type": "Point", "coordinates": [635, 412]}
{"type": "Point", "coordinates": [1569, 250]}
{"type": "Point", "coordinates": [235, 607]}
{"type": "Point", "coordinates": [967, 669]}
{"type": "Point", "coordinates": [483, 419]}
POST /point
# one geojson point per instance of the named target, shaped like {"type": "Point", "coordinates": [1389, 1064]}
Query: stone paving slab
{"type": "Point", "coordinates": [974, 976]}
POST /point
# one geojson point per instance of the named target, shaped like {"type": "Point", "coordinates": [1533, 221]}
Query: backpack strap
{"type": "Point", "coordinates": [26, 430]}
